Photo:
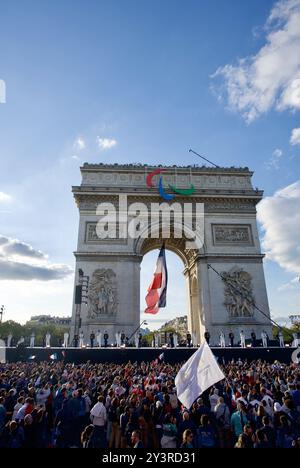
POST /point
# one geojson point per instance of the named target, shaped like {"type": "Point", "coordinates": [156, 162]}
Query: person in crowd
{"type": "Point", "coordinates": [87, 440]}
{"type": "Point", "coordinates": [136, 440]}
{"type": "Point", "coordinates": [2, 415]}
{"type": "Point", "coordinates": [239, 419]}
{"type": "Point", "coordinates": [248, 432]}
{"type": "Point", "coordinates": [206, 434]}
{"type": "Point", "coordinates": [222, 418]}
{"type": "Point", "coordinates": [169, 438]}
{"type": "Point", "coordinates": [187, 423]}
{"type": "Point", "coordinates": [187, 439]}
{"type": "Point", "coordinates": [214, 397]}
{"type": "Point", "coordinates": [99, 419]}
{"type": "Point", "coordinates": [269, 431]}
{"type": "Point", "coordinates": [61, 404]}
{"type": "Point", "coordinates": [241, 442]}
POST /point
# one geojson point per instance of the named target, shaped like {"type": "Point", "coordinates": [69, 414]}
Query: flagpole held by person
{"type": "Point", "coordinates": [199, 373]}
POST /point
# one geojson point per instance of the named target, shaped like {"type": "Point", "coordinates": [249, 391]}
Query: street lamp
{"type": "Point", "coordinates": [144, 322]}
{"type": "Point", "coordinates": [1, 313]}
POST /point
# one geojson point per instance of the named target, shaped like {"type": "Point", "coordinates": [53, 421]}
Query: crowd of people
{"type": "Point", "coordinates": [56, 404]}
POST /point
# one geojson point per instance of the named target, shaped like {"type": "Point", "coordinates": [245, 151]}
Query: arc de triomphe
{"type": "Point", "coordinates": [231, 246]}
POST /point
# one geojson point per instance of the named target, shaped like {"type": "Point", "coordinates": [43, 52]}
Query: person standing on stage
{"type": "Point", "coordinates": [243, 339]}
{"type": "Point", "coordinates": [140, 340]}
{"type": "Point", "coordinates": [105, 336]}
{"type": "Point", "coordinates": [222, 340]}
{"type": "Point", "coordinates": [66, 339]}
{"type": "Point", "coordinates": [81, 339]}
{"type": "Point", "coordinates": [32, 340]}
{"type": "Point", "coordinates": [231, 338]}
{"type": "Point", "coordinates": [118, 339]}
{"type": "Point", "coordinates": [9, 340]}
{"type": "Point", "coordinates": [188, 339]}
{"type": "Point", "coordinates": [253, 338]}
{"type": "Point", "coordinates": [99, 336]}
{"type": "Point", "coordinates": [92, 339]}
{"type": "Point", "coordinates": [123, 337]}
{"type": "Point", "coordinates": [48, 339]}
{"type": "Point", "coordinates": [171, 339]}
{"type": "Point", "coordinates": [175, 340]}
{"type": "Point", "coordinates": [207, 336]}
{"type": "Point", "coordinates": [76, 339]}
{"type": "Point", "coordinates": [264, 338]}
{"type": "Point", "coordinates": [295, 341]}
{"type": "Point", "coordinates": [281, 340]}
{"type": "Point", "coordinates": [136, 339]}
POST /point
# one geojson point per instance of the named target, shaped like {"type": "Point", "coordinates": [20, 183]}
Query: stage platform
{"type": "Point", "coordinates": [123, 355]}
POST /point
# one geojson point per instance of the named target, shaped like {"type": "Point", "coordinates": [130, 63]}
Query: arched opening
{"type": "Point", "coordinates": [177, 294]}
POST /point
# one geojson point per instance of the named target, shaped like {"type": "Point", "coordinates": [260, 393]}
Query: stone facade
{"type": "Point", "coordinates": [231, 247]}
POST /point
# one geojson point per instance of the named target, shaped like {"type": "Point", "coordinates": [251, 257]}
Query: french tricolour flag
{"type": "Point", "coordinates": [157, 291]}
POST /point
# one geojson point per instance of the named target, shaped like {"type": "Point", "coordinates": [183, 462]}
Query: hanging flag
{"type": "Point", "coordinates": [157, 291]}
{"type": "Point", "coordinates": [161, 357]}
{"type": "Point", "coordinates": [199, 373]}
{"type": "Point", "coordinates": [53, 357]}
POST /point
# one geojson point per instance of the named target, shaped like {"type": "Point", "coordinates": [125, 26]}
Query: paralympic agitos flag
{"type": "Point", "coordinates": [157, 291]}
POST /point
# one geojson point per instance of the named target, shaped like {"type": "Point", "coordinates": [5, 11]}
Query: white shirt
{"type": "Point", "coordinates": [213, 401]}
{"type": "Point", "coordinates": [16, 410]}
{"type": "Point", "coordinates": [269, 406]}
{"type": "Point", "coordinates": [98, 413]}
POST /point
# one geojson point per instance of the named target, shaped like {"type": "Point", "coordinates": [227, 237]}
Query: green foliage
{"type": "Point", "coordinates": [40, 331]}
{"type": "Point", "coordinates": [287, 332]}
{"type": "Point", "coordinates": [148, 338]}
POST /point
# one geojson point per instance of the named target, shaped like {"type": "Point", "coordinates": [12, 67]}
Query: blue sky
{"type": "Point", "coordinates": [143, 81]}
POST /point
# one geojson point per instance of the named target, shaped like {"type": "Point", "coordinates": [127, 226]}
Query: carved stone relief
{"type": "Point", "coordinates": [232, 234]}
{"type": "Point", "coordinates": [238, 293]}
{"type": "Point", "coordinates": [102, 297]}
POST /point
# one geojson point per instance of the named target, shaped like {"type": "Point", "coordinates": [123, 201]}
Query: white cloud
{"type": "Point", "coordinates": [273, 162]}
{"type": "Point", "coordinates": [280, 219]}
{"type": "Point", "coordinates": [106, 143]}
{"type": "Point", "coordinates": [79, 144]}
{"type": "Point", "coordinates": [19, 261]}
{"type": "Point", "coordinates": [270, 78]}
{"type": "Point", "coordinates": [295, 136]}
{"type": "Point", "coordinates": [4, 197]}
{"type": "Point", "coordinates": [291, 285]}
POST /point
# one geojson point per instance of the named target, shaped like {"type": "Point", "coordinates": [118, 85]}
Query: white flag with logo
{"type": "Point", "coordinates": [199, 373]}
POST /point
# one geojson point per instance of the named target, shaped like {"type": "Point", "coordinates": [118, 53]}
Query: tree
{"type": "Point", "coordinates": [39, 330]}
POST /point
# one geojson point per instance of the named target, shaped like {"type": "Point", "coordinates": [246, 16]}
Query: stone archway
{"type": "Point", "coordinates": [231, 246]}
